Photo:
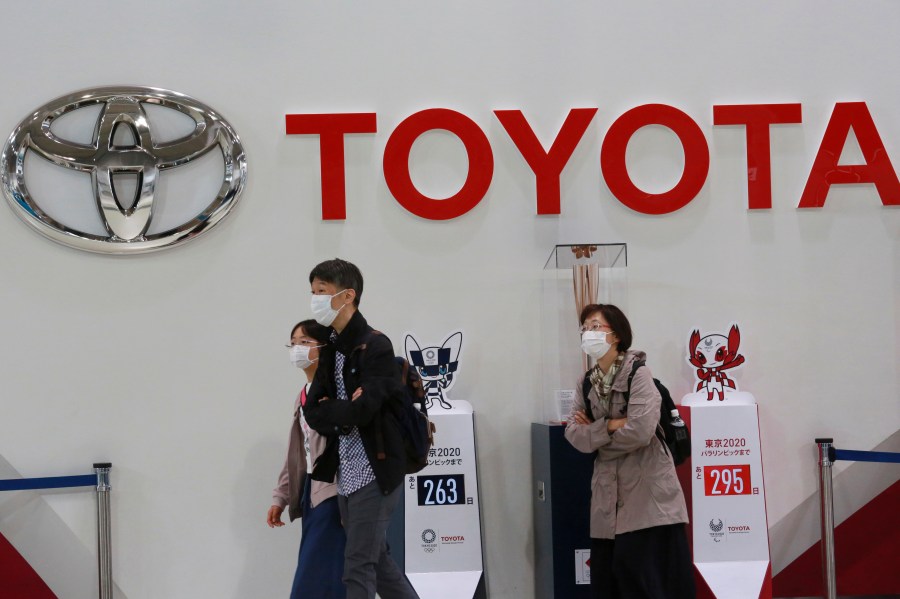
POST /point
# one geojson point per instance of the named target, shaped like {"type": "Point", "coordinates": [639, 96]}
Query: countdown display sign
{"type": "Point", "coordinates": [731, 543]}
{"type": "Point", "coordinates": [442, 513]}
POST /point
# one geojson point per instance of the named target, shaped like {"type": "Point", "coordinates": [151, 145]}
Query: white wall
{"type": "Point", "coordinates": [171, 366]}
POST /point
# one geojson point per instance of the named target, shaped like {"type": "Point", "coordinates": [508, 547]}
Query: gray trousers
{"type": "Point", "coordinates": [368, 565]}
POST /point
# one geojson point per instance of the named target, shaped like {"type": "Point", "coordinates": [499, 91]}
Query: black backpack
{"type": "Point", "coordinates": [676, 439]}
{"type": "Point", "coordinates": [409, 410]}
{"type": "Point", "coordinates": [412, 416]}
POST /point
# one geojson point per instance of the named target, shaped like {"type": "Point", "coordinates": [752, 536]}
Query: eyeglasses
{"type": "Point", "coordinates": [308, 342]}
{"type": "Point", "coordinates": [594, 326]}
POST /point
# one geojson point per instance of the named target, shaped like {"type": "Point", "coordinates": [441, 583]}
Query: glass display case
{"type": "Point", "coordinates": [574, 275]}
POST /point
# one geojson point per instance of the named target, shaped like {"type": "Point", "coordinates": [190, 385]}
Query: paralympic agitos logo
{"type": "Point", "coordinates": [548, 164]}
{"type": "Point", "coordinates": [127, 143]}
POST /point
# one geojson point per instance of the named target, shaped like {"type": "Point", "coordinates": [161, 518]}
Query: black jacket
{"type": "Point", "coordinates": [370, 365]}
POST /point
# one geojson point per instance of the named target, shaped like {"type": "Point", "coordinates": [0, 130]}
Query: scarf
{"type": "Point", "coordinates": [602, 382]}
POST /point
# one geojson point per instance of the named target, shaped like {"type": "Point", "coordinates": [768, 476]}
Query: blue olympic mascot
{"type": "Point", "coordinates": [436, 366]}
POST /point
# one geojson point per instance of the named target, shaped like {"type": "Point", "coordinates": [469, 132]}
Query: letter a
{"type": "Point", "coordinates": [826, 171]}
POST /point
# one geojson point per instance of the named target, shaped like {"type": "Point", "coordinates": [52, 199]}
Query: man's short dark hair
{"type": "Point", "coordinates": [341, 274]}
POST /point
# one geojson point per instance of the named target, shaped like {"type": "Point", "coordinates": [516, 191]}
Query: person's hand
{"type": "Point", "coordinates": [581, 417]}
{"type": "Point", "coordinates": [356, 394]}
{"type": "Point", "coordinates": [273, 518]}
{"type": "Point", "coordinates": [615, 424]}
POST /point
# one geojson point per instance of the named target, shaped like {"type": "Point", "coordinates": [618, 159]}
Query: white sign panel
{"type": "Point", "coordinates": [729, 510]}
{"type": "Point", "coordinates": [582, 566]}
{"type": "Point", "coordinates": [443, 527]}
{"type": "Point", "coordinates": [565, 399]}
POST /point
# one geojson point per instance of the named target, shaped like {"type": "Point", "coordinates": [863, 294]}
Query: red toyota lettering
{"type": "Point", "coordinates": [757, 118]}
{"type": "Point", "coordinates": [696, 159]}
{"type": "Point", "coordinates": [547, 165]}
{"type": "Point", "coordinates": [331, 129]}
{"type": "Point", "coordinates": [396, 164]}
{"type": "Point", "coordinates": [826, 171]}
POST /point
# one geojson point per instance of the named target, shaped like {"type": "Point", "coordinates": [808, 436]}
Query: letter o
{"type": "Point", "coordinates": [696, 159]}
{"type": "Point", "coordinates": [396, 164]}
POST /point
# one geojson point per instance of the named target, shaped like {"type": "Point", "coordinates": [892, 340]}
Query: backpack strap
{"type": "Point", "coordinates": [634, 366]}
{"type": "Point", "coordinates": [365, 344]}
{"type": "Point", "coordinates": [585, 392]}
{"type": "Point", "coordinates": [303, 396]}
{"type": "Point", "coordinates": [660, 434]}
{"type": "Point", "coordinates": [404, 372]}
{"type": "Point", "coordinates": [380, 453]}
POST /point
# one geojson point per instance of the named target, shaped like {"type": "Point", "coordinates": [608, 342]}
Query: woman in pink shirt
{"type": "Point", "coordinates": [320, 564]}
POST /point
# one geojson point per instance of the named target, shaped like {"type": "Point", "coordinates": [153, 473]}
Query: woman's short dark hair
{"type": "Point", "coordinates": [616, 320]}
{"type": "Point", "coordinates": [341, 274]}
{"type": "Point", "coordinates": [313, 329]}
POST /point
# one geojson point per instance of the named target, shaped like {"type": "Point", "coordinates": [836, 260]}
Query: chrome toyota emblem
{"type": "Point", "coordinates": [138, 153]}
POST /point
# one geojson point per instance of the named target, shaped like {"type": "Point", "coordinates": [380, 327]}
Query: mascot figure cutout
{"type": "Point", "coordinates": [712, 355]}
{"type": "Point", "coordinates": [436, 366]}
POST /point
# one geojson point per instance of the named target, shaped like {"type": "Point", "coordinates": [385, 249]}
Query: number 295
{"type": "Point", "coordinates": [726, 480]}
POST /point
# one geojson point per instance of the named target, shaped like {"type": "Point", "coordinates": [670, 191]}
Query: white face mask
{"type": "Point", "coordinates": [299, 355]}
{"type": "Point", "coordinates": [320, 305]}
{"type": "Point", "coordinates": [594, 343]}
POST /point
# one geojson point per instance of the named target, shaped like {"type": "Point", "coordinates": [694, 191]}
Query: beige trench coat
{"type": "Point", "coordinates": [634, 485]}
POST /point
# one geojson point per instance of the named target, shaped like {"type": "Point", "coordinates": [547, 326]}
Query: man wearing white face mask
{"type": "Point", "coordinates": [356, 378]}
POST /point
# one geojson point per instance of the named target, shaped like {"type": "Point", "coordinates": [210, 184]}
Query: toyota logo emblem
{"type": "Point", "coordinates": [144, 156]}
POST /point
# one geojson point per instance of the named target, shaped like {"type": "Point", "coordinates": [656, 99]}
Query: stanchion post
{"type": "Point", "coordinates": [104, 536]}
{"type": "Point", "coordinates": [826, 509]}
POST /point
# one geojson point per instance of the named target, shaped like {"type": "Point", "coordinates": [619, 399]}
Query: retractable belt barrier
{"type": "Point", "coordinates": [828, 454]}
{"type": "Point", "coordinates": [100, 481]}
{"type": "Point", "coordinates": [51, 482]}
{"type": "Point", "coordinates": [850, 455]}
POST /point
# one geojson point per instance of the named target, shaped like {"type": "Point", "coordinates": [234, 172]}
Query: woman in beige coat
{"type": "Point", "coordinates": [638, 541]}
